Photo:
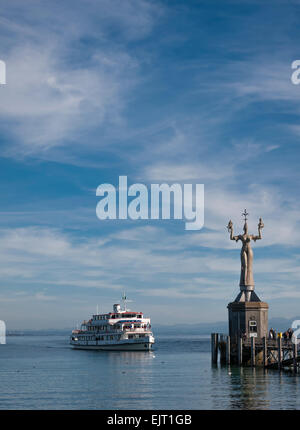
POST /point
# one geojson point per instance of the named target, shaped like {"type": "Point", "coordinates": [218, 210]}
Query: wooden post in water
{"type": "Point", "coordinates": [240, 351]}
{"type": "Point", "coordinates": [228, 350]}
{"type": "Point", "coordinates": [214, 348]}
{"type": "Point", "coordinates": [279, 347]}
{"type": "Point", "coordinates": [295, 356]}
{"type": "Point", "coordinates": [252, 351]}
{"type": "Point", "coordinates": [265, 352]}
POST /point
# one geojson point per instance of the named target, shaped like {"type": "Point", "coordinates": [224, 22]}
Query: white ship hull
{"type": "Point", "coordinates": [120, 346]}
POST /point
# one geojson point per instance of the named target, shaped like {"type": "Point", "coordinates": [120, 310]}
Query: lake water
{"type": "Point", "coordinates": [43, 372]}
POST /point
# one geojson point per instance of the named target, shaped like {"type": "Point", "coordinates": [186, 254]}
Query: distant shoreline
{"type": "Point", "coordinates": [280, 324]}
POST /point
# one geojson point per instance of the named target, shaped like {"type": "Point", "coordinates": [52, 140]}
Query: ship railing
{"type": "Point", "coordinates": [137, 330]}
{"type": "Point", "coordinates": [117, 330]}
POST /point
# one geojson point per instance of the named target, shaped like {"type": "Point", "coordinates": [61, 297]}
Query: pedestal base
{"type": "Point", "coordinates": [248, 318]}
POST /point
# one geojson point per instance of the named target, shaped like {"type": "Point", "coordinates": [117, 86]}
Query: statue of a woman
{"type": "Point", "coordinates": [246, 251]}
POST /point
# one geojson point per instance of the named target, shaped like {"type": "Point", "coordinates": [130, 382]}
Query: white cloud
{"type": "Point", "coordinates": [51, 103]}
{"type": "Point", "coordinates": [188, 171]}
{"type": "Point", "coordinates": [225, 200]}
{"type": "Point", "coordinates": [53, 96]}
{"type": "Point", "coordinates": [267, 80]}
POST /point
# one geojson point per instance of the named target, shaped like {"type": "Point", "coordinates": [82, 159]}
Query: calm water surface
{"type": "Point", "coordinates": [43, 372]}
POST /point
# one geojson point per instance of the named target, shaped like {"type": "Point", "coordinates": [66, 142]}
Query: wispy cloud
{"type": "Point", "coordinates": [56, 90]}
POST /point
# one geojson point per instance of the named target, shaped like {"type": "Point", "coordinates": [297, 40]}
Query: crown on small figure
{"type": "Point", "coordinates": [245, 214]}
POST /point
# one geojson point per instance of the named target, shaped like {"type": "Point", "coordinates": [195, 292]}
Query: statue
{"type": "Point", "coordinates": [246, 279]}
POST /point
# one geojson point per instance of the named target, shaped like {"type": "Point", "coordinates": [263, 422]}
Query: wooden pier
{"type": "Point", "coordinates": [268, 353]}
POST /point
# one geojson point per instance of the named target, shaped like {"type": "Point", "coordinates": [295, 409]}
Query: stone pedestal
{"type": "Point", "coordinates": [248, 318]}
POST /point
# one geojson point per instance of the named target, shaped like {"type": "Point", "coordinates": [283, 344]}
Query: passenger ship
{"type": "Point", "coordinates": [120, 330]}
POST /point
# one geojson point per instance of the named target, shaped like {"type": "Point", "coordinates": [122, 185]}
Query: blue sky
{"type": "Point", "coordinates": [161, 91]}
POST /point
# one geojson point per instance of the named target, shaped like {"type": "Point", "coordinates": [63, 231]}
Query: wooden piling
{"type": "Point", "coordinates": [252, 351]}
{"type": "Point", "coordinates": [265, 352]}
{"type": "Point", "coordinates": [214, 347]}
{"type": "Point", "coordinates": [228, 350]}
{"type": "Point", "coordinates": [240, 351]}
{"type": "Point", "coordinates": [258, 351]}
{"type": "Point", "coordinates": [295, 356]}
{"type": "Point", "coordinates": [279, 348]}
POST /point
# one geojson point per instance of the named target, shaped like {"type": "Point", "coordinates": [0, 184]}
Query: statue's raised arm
{"type": "Point", "coordinates": [260, 227]}
{"type": "Point", "coordinates": [230, 229]}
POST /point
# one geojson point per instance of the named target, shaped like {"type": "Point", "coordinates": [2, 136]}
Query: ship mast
{"type": "Point", "coordinates": [124, 299]}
